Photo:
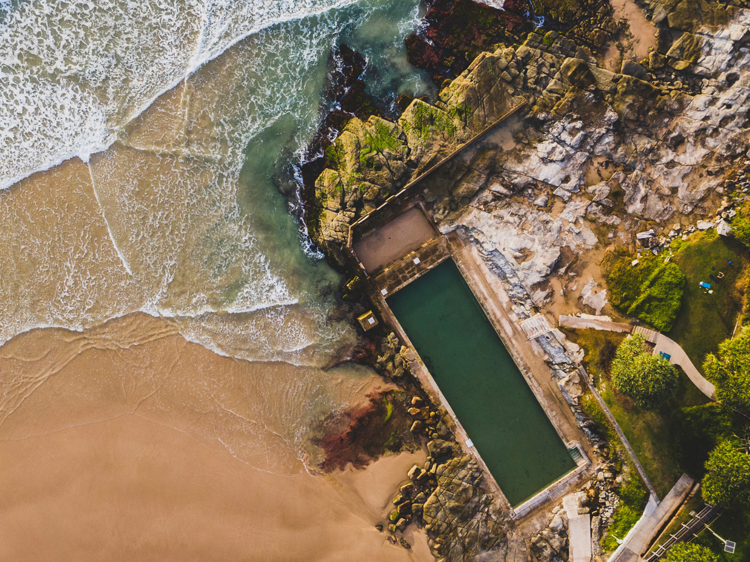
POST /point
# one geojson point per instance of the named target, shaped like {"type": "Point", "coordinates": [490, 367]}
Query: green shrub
{"type": "Point", "coordinates": [729, 370]}
{"type": "Point", "coordinates": [646, 378]}
{"type": "Point", "coordinates": [727, 480]}
{"type": "Point", "coordinates": [624, 280]}
{"type": "Point", "coordinates": [696, 431]}
{"type": "Point", "coordinates": [690, 553]}
{"type": "Point", "coordinates": [661, 297]}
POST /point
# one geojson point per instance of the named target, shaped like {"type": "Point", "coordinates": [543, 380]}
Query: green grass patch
{"type": "Point", "coordinates": [633, 498]}
{"type": "Point", "coordinates": [648, 432]}
{"type": "Point", "coordinates": [652, 433]}
{"type": "Point", "coordinates": [651, 290]}
{"type": "Point", "coordinates": [704, 320]}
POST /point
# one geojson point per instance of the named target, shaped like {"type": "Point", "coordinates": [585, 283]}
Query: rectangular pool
{"type": "Point", "coordinates": [481, 382]}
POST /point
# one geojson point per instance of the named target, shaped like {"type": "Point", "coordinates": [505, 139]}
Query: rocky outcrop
{"type": "Point", "coordinates": [687, 15]}
{"type": "Point", "coordinates": [454, 32]}
{"type": "Point", "coordinates": [459, 516]}
{"type": "Point", "coordinates": [344, 97]}
{"type": "Point", "coordinates": [529, 238]}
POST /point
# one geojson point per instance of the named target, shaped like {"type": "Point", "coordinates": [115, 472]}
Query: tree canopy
{"type": "Point", "coordinates": [646, 378]}
{"type": "Point", "coordinates": [741, 225]}
{"type": "Point", "coordinates": [727, 480]}
{"type": "Point", "coordinates": [690, 553]}
{"type": "Point", "coordinates": [729, 370]}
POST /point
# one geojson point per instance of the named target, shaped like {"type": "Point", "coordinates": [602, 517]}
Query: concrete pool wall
{"type": "Point", "coordinates": [490, 294]}
{"type": "Point", "coordinates": [481, 382]}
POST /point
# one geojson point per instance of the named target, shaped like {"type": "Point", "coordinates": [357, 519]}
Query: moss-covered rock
{"type": "Point", "coordinates": [481, 95]}
{"type": "Point", "coordinates": [431, 133]}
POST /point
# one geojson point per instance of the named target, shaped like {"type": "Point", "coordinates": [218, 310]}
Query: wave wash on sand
{"type": "Point", "coordinates": [73, 74]}
{"type": "Point", "coordinates": [163, 330]}
{"type": "Point", "coordinates": [179, 217]}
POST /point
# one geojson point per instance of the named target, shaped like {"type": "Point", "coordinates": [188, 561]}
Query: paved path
{"type": "Point", "coordinates": [663, 344]}
{"type": "Point", "coordinates": [579, 531]}
{"type": "Point", "coordinates": [640, 537]}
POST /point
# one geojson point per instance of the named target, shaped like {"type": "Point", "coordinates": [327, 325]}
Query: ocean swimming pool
{"type": "Point", "coordinates": [481, 382]}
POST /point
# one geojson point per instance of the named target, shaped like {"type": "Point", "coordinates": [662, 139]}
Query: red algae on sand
{"type": "Point", "coordinates": [365, 432]}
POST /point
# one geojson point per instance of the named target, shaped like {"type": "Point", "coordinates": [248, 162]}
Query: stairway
{"type": "Point", "coordinates": [650, 335]}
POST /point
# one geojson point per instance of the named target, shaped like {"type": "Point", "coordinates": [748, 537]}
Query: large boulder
{"type": "Point", "coordinates": [368, 162]}
{"type": "Point", "coordinates": [459, 515]}
{"type": "Point", "coordinates": [481, 95]}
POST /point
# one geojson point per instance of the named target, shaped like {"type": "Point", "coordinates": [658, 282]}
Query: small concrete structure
{"type": "Point", "coordinates": [367, 321]}
{"type": "Point", "coordinates": [586, 321]}
{"type": "Point", "coordinates": [535, 326]}
{"type": "Point", "coordinates": [646, 235]}
{"type": "Point", "coordinates": [579, 531]}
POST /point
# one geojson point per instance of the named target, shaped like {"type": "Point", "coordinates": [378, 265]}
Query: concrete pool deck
{"type": "Point", "coordinates": [404, 234]}
{"type": "Point", "coordinates": [491, 296]}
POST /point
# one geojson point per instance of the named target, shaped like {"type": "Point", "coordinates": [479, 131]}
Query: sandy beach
{"type": "Point", "coordinates": [128, 442]}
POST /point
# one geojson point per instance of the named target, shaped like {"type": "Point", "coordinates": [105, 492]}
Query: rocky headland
{"type": "Point", "coordinates": [607, 144]}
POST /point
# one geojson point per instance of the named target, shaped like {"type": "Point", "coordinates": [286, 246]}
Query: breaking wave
{"type": "Point", "coordinates": [180, 113]}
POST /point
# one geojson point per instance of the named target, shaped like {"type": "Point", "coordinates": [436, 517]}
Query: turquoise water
{"type": "Point", "coordinates": [184, 190]}
{"type": "Point", "coordinates": [481, 382]}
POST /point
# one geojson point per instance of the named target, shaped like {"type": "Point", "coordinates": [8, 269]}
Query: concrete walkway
{"type": "Point", "coordinates": [663, 344]}
{"type": "Point", "coordinates": [585, 322]}
{"type": "Point", "coordinates": [579, 531]}
{"type": "Point", "coordinates": [654, 518]}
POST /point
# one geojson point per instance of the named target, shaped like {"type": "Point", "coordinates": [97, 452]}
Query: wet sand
{"type": "Point", "coordinates": [127, 436]}
{"type": "Point", "coordinates": [126, 442]}
{"type": "Point", "coordinates": [130, 489]}
{"type": "Point", "coordinates": [643, 30]}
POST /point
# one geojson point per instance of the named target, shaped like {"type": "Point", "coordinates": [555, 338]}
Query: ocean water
{"type": "Point", "coordinates": [164, 321]}
{"type": "Point", "coordinates": [140, 142]}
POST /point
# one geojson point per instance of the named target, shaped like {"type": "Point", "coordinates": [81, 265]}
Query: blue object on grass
{"type": "Point", "coordinates": [704, 285]}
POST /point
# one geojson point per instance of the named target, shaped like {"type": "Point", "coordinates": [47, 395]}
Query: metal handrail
{"type": "Point", "coordinates": [697, 523]}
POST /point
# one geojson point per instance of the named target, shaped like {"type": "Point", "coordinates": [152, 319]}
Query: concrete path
{"type": "Point", "coordinates": [583, 323]}
{"type": "Point", "coordinates": [645, 531]}
{"type": "Point", "coordinates": [663, 344]}
{"type": "Point", "coordinates": [579, 531]}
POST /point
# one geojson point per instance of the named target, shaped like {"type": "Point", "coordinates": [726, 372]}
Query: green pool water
{"type": "Point", "coordinates": [481, 382]}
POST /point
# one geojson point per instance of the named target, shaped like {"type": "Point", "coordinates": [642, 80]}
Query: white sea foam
{"type": "Point", "coordinates": [178, 218]}
{"type": "Point", "coordinates": [66, 90]}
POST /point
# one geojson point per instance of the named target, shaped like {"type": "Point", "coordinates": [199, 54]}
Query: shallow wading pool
{"type": "Point", "coordinates": [481, 382]}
